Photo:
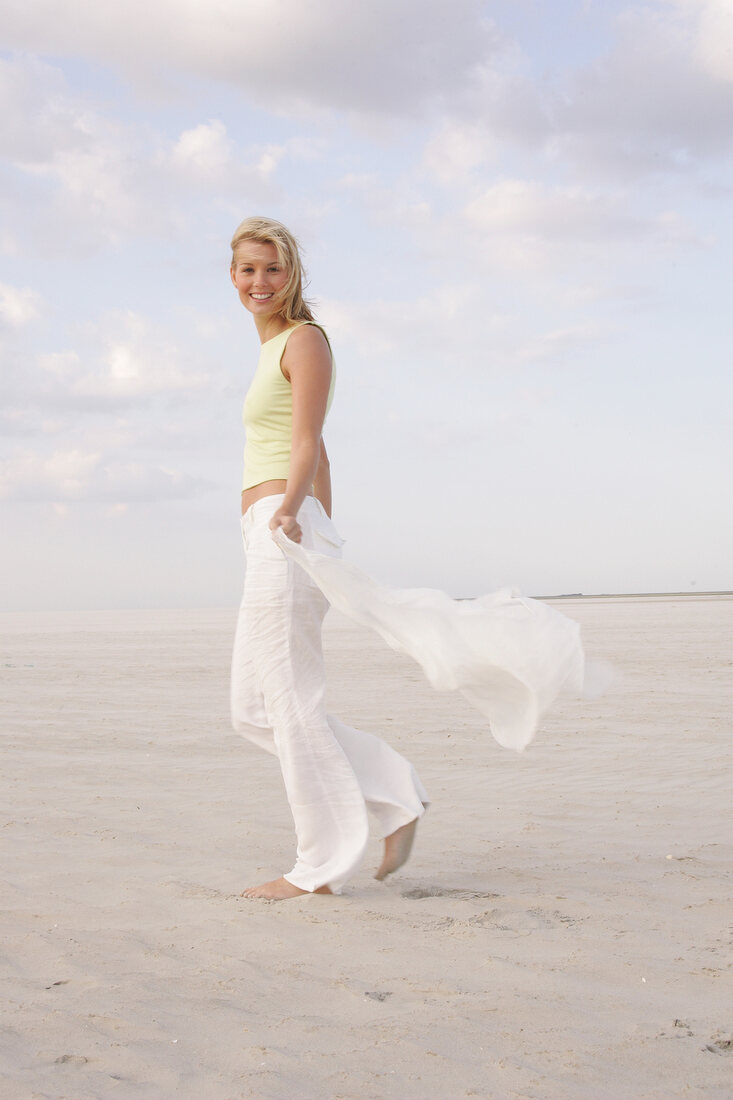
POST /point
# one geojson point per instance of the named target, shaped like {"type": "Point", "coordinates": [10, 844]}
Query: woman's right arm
{"type": "Point", "coordinates": [307, 365]}
{"type": "Point", "coordinates": [322, 480]}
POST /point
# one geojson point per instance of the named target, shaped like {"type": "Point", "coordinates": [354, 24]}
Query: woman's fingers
{"type": "Point", "coordinates": [289, 524]}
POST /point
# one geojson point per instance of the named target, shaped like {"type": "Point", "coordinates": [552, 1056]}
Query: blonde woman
{"type": "Point", "coordinates": [333, 774]}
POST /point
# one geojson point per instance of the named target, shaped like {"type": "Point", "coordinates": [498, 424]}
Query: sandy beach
{"type": "Point", "coordinates": [562, 931]}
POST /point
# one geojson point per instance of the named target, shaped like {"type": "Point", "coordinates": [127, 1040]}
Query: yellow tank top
{"type": "Point", "coordinates": [268, 414]}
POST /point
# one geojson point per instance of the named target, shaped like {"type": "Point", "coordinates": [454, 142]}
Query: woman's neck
{"type": "Point", "coordinates": [267, 327]}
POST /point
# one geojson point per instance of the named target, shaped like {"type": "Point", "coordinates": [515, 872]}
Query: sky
{"type": "Point", "coordinates": [516, 219]}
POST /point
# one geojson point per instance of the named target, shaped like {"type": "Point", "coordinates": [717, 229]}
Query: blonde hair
{"type": "Point", "coordinates": [267, 231]}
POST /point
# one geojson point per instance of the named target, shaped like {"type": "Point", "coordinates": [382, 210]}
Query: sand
{"type": "Point", "coordinates": [562, 931]}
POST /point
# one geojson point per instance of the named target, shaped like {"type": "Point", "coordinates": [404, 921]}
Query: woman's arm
{"type": "Point", "coordinates": [322, 480]}
{"type": "Point", "coordinates": [307, 364]}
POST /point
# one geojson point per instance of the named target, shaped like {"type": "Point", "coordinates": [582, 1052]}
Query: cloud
{"type": "Point", "coordinates": [18, 306]}
{"type": "Point", "coordinates": [714, 35]}
{"type": "Point", "coordinates": [456, 150]}
{"type": "Point", "coordinates": [118, 365]}
{"type": "Point", "coordinates": [75, 164]}
{"type": "Point", "coordinates": [205, 154]}
{"type": "Point", "coordinates": [37, 112]}
{"type": "Point", "coordinates": [79, 475]}
{"type": "Point", "coordinates": [64, 475]}
{"type": "Point", "coordinates": [439, 323]}
{"type": "Point", "coordinates": [401, 202]}
{"type": "Point", "coordinates": [204, 147]}
{"type": "Point", "coordinates": [80, 176]}
{"type": "Point", "coordinates": [559, 345]}
{"type": "Point", "coordinates": [127, 360]}
{"type": "Point", "coordinates": [529, 224]}
{"type": "Point", "coordinates": [656, 102]}
{"type": "Point", "coordinates": [534, 210]}
{"type": "Point", "coordinates": [658, 99]}
{"type": "Point", "coordinates": [384, 56]}
{"type": "Point", "coordinates": [98, 186]}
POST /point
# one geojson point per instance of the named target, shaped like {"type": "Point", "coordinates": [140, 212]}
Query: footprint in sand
{"type": "Point", "coordinates": [196, 890]}
{"type": "Point", "coordinates": [443, 892]}
{"type": "Point", "coordinates": [720, 1046]}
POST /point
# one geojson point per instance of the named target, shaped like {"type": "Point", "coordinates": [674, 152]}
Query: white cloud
{"type": "Point", "coordinates": [62, 475]}
{"type": "Point", "coordinates": [410, 350]}
{"type": "Point", "coordinates": [80, 176]}
{"type": "Point", "coordinates": [714, 35]}
{"type": "Point", "coordinates": [527, 207]}
{"type": "Point", "coordinates": [395, 202]}
{"type": "Point", "coordinates": [384, 56]}
{"type": "Point", "coordinates": [206, 154]}
{"type": "Point", "coordinates": [658, 100]}
{"type": "Point", "coordinates": [128, 360]}
{"type": "Point", "coordinates": [119, 363]}
{"type": "Point", "coordinates": [268, 160]}
{"type": "Point", "coordinates": [98, 185]}
{"type": "Point", "coordinates": [36, 111]}
{"type": "Point", "coordinates": [558, 345]}
{"type": "Point", "coordinates": [653, 102]}
{"type": "Point", "coordinates": [529, 224]}
{"type": "Point", "coordinates": [76, 474]}
{"type": "Point", "coordinates": [18, 306]}
{"type": "Point", "coordinates": [439, 323]}
{"type": "Point", "coordinates": [206, 149]}
{"type": "Point", "coordinates": [456, 150]}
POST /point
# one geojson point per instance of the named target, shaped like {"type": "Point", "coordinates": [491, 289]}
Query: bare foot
{"type": "Point", "coordinates": [280, 890]}
{"type": "Point", "coordinates": [397, 848]}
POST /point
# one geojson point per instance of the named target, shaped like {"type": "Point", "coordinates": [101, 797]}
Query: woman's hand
{"type": "Point", "coordinates": [289, 524]}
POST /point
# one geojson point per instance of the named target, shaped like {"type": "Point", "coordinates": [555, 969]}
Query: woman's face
{"type": "Point", "coordinates": [258, 276]}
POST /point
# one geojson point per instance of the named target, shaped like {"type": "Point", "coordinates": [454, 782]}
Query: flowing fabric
{"type": "Point", "coordinates": [508, 655]}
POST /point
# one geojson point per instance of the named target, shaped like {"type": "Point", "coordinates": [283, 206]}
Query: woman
{"type": "Point", "coordinates": [333, 774]}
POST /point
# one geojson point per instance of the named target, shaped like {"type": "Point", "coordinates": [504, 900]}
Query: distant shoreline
{"type": "Point", "coordinates": [633, 595]}
{"type": "Point", "coordinates": [8, 617]}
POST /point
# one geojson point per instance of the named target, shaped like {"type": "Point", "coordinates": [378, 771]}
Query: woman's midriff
{"type": "Point", "coordinates": [264, 489]}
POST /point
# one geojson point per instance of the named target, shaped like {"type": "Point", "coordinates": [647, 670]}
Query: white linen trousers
{"type": "Point", "coordinates": [333, 773]}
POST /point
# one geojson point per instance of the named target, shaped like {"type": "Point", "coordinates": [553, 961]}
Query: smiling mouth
{"type": "Point", "coordinates": [261, 297]}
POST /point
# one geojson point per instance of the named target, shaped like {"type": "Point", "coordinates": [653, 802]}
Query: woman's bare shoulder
{"type": "Point", "coordinates": [307, 349]}
{"type": "Point", "coordinates": [308, 337]}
